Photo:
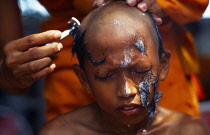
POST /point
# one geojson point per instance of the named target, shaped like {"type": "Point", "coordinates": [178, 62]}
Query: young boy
{"type": "Point", "coordinates": [121, 62]}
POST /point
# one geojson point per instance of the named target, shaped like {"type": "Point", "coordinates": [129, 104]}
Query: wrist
{"type": "Point", "coordinates": [6, 84]}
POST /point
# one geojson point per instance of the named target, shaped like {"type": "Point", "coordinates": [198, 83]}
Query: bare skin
{"type": "Point", "coordinates": [24, 60]}
{"type": "Point", "coordinates": [88, 121]}
{"type": "Point", "coordinates": [116, 83]}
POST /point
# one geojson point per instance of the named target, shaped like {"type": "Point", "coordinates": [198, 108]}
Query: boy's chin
{"type": "Point", "coordinates": [134, 120]}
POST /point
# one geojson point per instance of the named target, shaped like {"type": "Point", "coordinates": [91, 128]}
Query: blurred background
{"type": "Point", "coordinates": [27, 111]}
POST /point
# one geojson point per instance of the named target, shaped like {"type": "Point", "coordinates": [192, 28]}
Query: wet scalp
{"type": "Point", "coordinates": [113, 17]}
{"type": "Point", "coordinates": [105, 16]}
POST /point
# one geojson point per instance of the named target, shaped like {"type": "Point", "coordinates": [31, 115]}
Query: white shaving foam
{"type": "Point", "coordinates": [140, 45]}
{"type": "Point", "coordinates": [127, 58]}
{"type": "Point", "coordinates": [116, 22]}
{"type": "Point", "coordinates": [127, 89]}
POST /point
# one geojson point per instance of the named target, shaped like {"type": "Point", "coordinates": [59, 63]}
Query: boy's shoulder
{"type": "Point", "coordinates": [183, 124]}
{"type": "Point", "coordinates": [75, 122]}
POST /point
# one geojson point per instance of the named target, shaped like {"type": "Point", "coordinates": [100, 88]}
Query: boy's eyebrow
{"type": "Point", "coordinates": [136, 63]}
{"type": "Point", "coordinates": [94, 61]}
{"type": "Point", "coordinates": [141, 64]}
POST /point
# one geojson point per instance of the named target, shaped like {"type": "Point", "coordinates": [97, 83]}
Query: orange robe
{"type": "Point", "coordinates": [63, 91]}
{"type": "Point", "coordinates": [179, 92]}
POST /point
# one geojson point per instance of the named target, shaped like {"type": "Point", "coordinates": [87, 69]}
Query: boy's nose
{"type": "Point", "coordinates": [127, 89]}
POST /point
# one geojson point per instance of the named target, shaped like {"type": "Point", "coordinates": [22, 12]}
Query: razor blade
{"type": "Point", "coordinates": [73, 25]}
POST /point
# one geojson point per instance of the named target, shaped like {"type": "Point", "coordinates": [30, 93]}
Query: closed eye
{"type": "Point", "coordinates": [105, 77]}
{"type": "Point", "coordinates": [141, 73]}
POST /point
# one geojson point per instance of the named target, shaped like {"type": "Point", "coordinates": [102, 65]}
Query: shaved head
{"type": "Point", "coordinates": [113, 21]}
{"type": "Point", "coordinates": [116, 17]}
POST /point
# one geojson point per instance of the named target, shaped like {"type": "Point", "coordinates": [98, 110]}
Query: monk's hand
{"type": "Point", "coordinates": [145, 5]}
{"type": "Point", "coordinates": [27, 59]}
{"type": "Point", "coordinates": [142, 5]}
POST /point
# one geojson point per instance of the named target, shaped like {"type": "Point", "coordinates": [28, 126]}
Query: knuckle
{"type": "Point", "coordinates": [55, 47]}
{"type": "Point", "coordinates": [15, 73]}
{"type": "Point", "coordinates": [33, 53]}
{"type": "Point", "coordinates": [7, 47]}
{"type": "Point", "coordinates": [10, 62]}
{"type": "Point", "coordinates": [48, 59]}
{"type": "Point", "coordinates": [34, 76]}
{"type": "Point", "coordinates": [31, 66]}
{"type": "Point", "coordinates": [48, 36]}
{"type": "Point", "coordinates": [31, 40]}
{"type": "Point", "coordinates": [52, 49]}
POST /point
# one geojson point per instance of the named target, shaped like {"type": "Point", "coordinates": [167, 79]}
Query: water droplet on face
{"type": "Point", "coordinates": [129, 125]}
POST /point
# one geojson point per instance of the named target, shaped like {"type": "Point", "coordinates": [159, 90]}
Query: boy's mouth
{"type": "Point", "coordinates": [130, 109]}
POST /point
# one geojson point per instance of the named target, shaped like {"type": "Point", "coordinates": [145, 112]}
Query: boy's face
{"type": "Point", "coordinates": [124, 85]}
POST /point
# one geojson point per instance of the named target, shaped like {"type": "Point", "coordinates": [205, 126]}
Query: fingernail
{"type": "Point", "coordinates": [52, 66]}
{"type": "Point", "coordinates": [94, 3]}
{"type": "Point", "coordinates": [60, 46]}
{"type": "Point", "coordinates": [57, 34]}
{"type": "Point", "coordinates": [100, 2]}
{"type": "Point", "coordinates": [131, 2]}
{"type": "Point", "coordinates": [143, 7]}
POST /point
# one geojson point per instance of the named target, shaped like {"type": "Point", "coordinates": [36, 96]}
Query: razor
{"type": "Point", "coordinates": [74, 24]}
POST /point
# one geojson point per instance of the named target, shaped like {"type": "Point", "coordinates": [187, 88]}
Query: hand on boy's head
{"type": "Point", "coordinates": [142, 5]}
{"type": "Point", "coordinates": [28, 59]}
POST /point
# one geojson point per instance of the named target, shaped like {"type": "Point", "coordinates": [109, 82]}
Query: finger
{"type": "Point", "coordinates": [100, 2]}
{"type": "Point", "coordinates": [132, 2]}
{"type": "Point", "coordinates": [28, 80]}
{"type": "Point", "coordinates": [94, 3]}
{"type": "Point", "coordinates": [32, 67]}
{"type": "Point", "coordinates": [34, 40]}
{"type": "Point", "coordinates": [39, 52]}
{"type": "Point", "coordinates": [157, 19]}
{"type": "Point", "coordinates": [145, 5]}
{"type": "Point", "coordinates": [43, 72]}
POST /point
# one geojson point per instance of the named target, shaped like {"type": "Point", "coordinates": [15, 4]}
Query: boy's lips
{"type": "Point", "coordinates": [130, 109]}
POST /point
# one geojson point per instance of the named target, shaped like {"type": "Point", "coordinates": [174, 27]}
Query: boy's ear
{"type": "Point", "coordinates": [165, 64]}
{"type": "Point", "coordinates": [82, 77]}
